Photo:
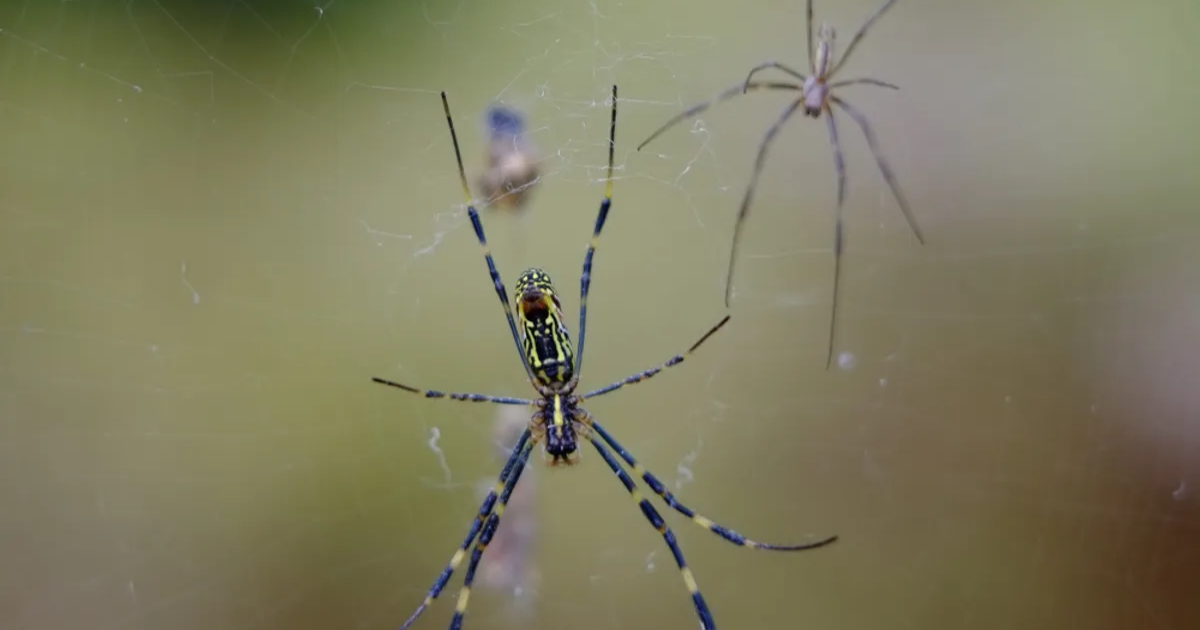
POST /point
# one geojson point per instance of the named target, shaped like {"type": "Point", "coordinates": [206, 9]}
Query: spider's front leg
{"type": "Point", "coordinates": [766, 65]}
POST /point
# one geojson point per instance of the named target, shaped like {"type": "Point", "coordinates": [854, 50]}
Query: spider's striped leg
{"type": "Point", "coordinates": [503, 487]}
{"type": "Point", "coordinates": [776, 65]}
{"type": "Point", "coordinates": [661, 490]}
{"type": "Point", "coordinates": [497, 283]}
{"type": "Point", "coordinates": [839, 165]}
{"type": "Point", "coordinates": [489, 530]}
{"type": "Point", "coordinates": [884, 168]}
{"type": "Point", "coordinates": [862, 31]}
{"type": "Point", "coordinates": [641, 376]}
{"type": "Point", "coordinates": [734, 90]}
{"type": "Point", "coordinates": [585, 280]}
{"type": "Point", "coordinates": [433, 393]}
{"type": "Point", "coordinates": [772, 132]}
{"type": "Point", "coordinates": [656, 519]}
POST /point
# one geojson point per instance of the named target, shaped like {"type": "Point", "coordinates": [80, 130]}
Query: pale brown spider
{"type": "Point", "coordinates": [816, 94]}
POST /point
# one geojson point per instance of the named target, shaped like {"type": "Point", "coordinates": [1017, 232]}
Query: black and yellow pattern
{"type": "Point", "coordinates": [559, 421]}
{"type": "Point", "coordinates": [543, 333]}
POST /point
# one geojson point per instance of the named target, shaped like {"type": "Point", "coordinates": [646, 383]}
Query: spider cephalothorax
{"type": "Point", "coordinates": [559, 422]}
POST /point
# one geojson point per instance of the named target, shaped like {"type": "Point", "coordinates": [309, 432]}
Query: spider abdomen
{"type": "Point", "coordinates": [549, 350]}
{"type": "Point", "coordinates": [544, 337]}
{"type": "Point", "coordinates": [815, 94]}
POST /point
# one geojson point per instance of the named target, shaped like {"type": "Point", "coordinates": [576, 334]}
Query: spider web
{"type": "Point", "coordinates": [219, 219]}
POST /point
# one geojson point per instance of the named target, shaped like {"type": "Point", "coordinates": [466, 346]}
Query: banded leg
{"type": "Point", "coordinates": [862, 31]}
{"type": "Point", "coordinates": [641, 376]}
{"type": "Point", "coordinates": [776, 65]}
{"type": "Point", "coordinates": [585, 280]}
{"type": "Point", "coordinates": [744, 210]}
{"type": "Point", "coordinates": [656, 520]}
{"type": "Point", "coordinates": [661, 490]}
{"type": "Point", "coordinates": [433, 393]}
{"type": "Point", "coordinates": [839, 165]}
{"type": "Point", "coordinates": [489, 530]}
{"type": "Point", "coordinates": [502, 488]}
{"type": "Point", "coordinates": [497, 283]}
{"type": "Point", "coordinates": [734, 90]}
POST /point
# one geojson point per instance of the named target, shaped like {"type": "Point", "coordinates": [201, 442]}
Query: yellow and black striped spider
{"type": "Point", "coordinates": [816, 93]}
{"type": "Point", "coordinates": [553, 368]}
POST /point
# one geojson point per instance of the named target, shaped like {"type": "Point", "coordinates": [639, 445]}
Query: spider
{"type": "Point", "coordinates": [553, 368]}
{"type": "Point", "coordinates": [816, 93]}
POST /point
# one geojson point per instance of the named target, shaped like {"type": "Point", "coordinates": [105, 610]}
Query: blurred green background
{"type": "Point", "coordinates": [219, 219]}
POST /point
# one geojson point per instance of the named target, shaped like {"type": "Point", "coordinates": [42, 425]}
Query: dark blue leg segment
{"type": "Point", "coordinates": [507, 479]}
{"type": "Point", "coordinates": [703, 521]}
{"type": "Point", "coordinates": [656, 519]}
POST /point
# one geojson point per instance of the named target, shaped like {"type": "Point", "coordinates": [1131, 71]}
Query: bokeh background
{"type": "Point", "coordinates": [219, 219]}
